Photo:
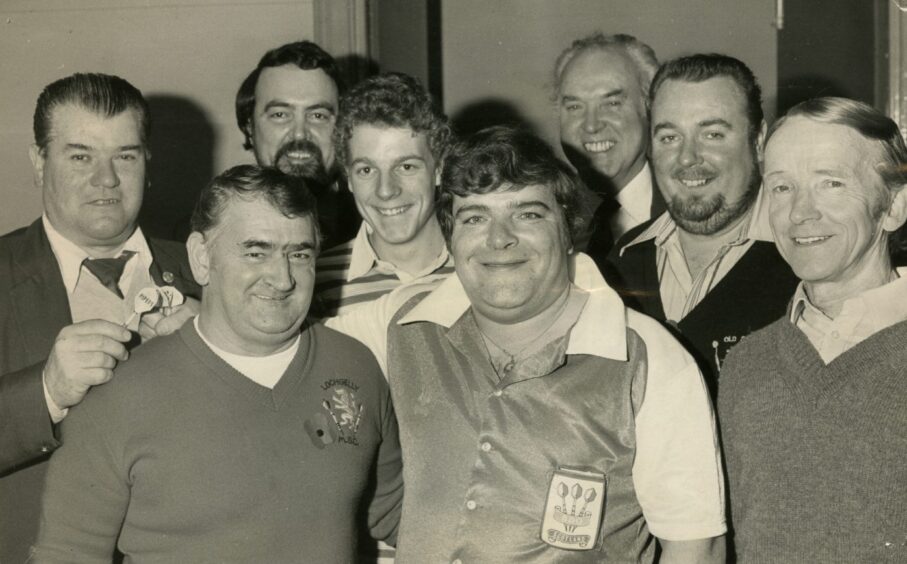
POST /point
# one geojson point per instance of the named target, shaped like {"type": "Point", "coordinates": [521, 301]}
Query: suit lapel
{"type": "Point", "coordinates": [39, 302]}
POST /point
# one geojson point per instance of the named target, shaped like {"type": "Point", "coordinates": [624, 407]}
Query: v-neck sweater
{"type": "Point", "coordinates": [180, 458]}
{"type": "Point", "coordinates": [816, 453]}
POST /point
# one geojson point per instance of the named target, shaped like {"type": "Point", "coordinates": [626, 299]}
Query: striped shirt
{"type": "Point", "coordinates": [351, 274]}
{"type": "Point", "coordinates": [680, 292]}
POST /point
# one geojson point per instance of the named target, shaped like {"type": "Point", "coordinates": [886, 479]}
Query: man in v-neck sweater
{"type": "Point", "coordinates": [249, 436]}
{"type": "Point", "coordinates": [812, 407]}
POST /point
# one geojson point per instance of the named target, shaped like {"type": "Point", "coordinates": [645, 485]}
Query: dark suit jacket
{"type": "Point", "coordinates": [33, 309]}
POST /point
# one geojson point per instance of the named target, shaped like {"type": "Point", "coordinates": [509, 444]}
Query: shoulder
{"type": "Point", "coordinates": [661, 346]}
{"type": "Point", "coordinates": [168, 251]}
{"type": "Point", "coordinates": [755, 347]}
{"type": "Point", "coordinates": [341, 349]}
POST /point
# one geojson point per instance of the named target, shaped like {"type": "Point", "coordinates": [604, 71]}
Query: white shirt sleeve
{"type": "Point", "coordinates": [677, 472]}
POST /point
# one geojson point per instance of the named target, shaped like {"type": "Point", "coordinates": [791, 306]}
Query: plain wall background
{"type": "Point", "coordinates": [187, 58]}
{"type": "Point", "coordinates": [499, 55]}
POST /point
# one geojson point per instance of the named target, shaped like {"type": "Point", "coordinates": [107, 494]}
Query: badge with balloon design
{"type": "Point", "coordinates": [152, 298]}
{"type": "Point", "coordinates": [574, 509]}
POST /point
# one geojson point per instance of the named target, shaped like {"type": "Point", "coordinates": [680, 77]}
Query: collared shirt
{"type": "Point", "coordinates": [861, 317]}
{"type": "Point", "coordinates": [88, 298]}
{"type": "Point", "coordinates": [351, 274]}
{"type": "Point", "coordinates": [635, 203]}
{"type": "Point", "coordinates": [680, 292]}
{"type": "Point", "coordinates": [509, 423]}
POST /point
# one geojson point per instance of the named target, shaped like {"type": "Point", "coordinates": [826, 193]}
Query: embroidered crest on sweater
{"type": "Point", "coordinates": [339, 417]}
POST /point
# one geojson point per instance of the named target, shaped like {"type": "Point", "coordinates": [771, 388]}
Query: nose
{"type": "Point", "coordinates": [500, 235]}
{"type": "Point", "coordinates": [300, 128]}
{"type": "Point", "coordinates": [388, 187]}
{"type": "Point", "coordinates": [280, 275]}
{"type": "Point", "coordinates": [689, 152]}
{"type": "Point", "coordinates": [803, 206]}
{"type": "Point", "coordinates": [592, 122]}
{"type": "Point", "coordinates": [105, 174]}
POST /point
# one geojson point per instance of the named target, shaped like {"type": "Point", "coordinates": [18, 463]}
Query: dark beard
{"type": "Point", "coordinates": [702, 216]}
{"type": "Point", "coordinates": [311, 168]}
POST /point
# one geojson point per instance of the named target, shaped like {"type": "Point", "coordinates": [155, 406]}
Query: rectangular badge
{"type": "Point", "coordinates": [573, 509]}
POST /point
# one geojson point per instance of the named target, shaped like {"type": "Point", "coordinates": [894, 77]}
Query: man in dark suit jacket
{"type": "Point", "coordinates": [65, 319]}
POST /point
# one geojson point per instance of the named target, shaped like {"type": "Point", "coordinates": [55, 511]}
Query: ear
{"type": "Point", "coordinates": [37, 161]}
{"type": "Point", "coordinates": [199, 259]}
{"type": "Point", "coordinates": [760, 141]}
{"type": "Point", "coordinates": [896, 215]}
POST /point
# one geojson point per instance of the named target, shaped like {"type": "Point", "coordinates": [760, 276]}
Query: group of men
{"type": "Point", "coordinates": [538, 404]}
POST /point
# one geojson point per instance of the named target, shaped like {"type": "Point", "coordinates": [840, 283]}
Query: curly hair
{"type": "Point", "coordinates": [393, 100]}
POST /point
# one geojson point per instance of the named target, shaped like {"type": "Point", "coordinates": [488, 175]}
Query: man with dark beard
{"type": "Point", "coordinates": [708, 266]}
{"type": "Point", "coordinates": [286, 108]}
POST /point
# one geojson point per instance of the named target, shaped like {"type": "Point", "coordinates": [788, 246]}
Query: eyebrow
{"type": "Point", "coordinates": [510, 205]}
{"type": "Point", "coordinates": [608, 94]}
{"type": "Point", "coordinates": [269, 245]}
{"type": "Point", "coordinates": [704, 123]}
{"type": "Point", "coordinates": [83, 147]}
{"type": "Point", "coordinates": [284, 104]}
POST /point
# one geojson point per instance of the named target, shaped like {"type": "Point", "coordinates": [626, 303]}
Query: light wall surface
{"type": "Point", "coordinates": [502, 52]}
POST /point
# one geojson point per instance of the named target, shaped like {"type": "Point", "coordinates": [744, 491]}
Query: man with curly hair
{"type": "Point", "coordinates": [390, 141]}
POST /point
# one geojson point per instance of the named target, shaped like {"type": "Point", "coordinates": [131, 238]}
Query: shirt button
{"type": "Point", "coordinates": [45, 449]}
{"type": "Point", "coordinates": [470, 505]}
{"type": "Point", "coordinates": [486, 447]}
{"type": "Point", "coordinates": [835, 334]}
{"type": "Point", "coordinates": [498, 393]}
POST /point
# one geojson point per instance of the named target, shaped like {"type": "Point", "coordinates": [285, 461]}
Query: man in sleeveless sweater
{"type": "Point", "coordinates": [707, 267]}
{"type": "Point", "coordinates": [249, 436]}
{"type": "Point", "coordinates": [540, 420]}
{"type": "Point", "coordinates": [65, 321]}
{"type": "Point", "coordinates": [812, 407]}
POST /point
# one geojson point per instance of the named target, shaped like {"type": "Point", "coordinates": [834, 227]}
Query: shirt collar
{"type": "Point", "coordinates": [636, 197]}
{"type": "Point", "coordinates": [70, 256]}
{"type": "Point", "coordinates": [601, 329]}
{"type": "Point", "coordinates": [363, 258]}
{"type": "Point", "coordinates": [884, 305]}
{"type": "Point", "coordinates": [756, 228]}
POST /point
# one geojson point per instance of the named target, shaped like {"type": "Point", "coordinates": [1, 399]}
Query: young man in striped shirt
{"type": "Point", "coordinates": [390, 140]}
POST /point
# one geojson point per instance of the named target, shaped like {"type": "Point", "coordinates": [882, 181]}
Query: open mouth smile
{"type": "Point", "coordinates": [599, 146]}
{"type": "Point", "coordinates": [390, 212]}
{"type": "Point", "coordinates": [806, 241]}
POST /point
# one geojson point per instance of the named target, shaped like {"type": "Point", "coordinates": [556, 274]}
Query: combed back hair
{"type": "Point", "coordinates": [702, 67]}
{"type": "Point", "coordinates": [510, 158]}
{"type": "Point", "coordinates": [290, 195]}
{"type": "Point", "coordinates": [874, 126]}
{"type": "Point", "coordinates": [103, 94]}
{"type": "Point", "coordinates": [391, 100]}
{"type": "Point", "coordinates": [304, 54]}
{"type": "Point", "coordinates": [642, 56]}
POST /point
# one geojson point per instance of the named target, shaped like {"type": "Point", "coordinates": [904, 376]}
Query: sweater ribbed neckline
{"type": "Point", "coordinates": [273, 399]}
{"type": "Point", "coordinates": [812, 378]}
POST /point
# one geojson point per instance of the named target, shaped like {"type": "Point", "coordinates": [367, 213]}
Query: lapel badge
{"type": "Point", "coordinates": [168, 277]}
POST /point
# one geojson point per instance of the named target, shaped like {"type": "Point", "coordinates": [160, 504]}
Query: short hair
{"type": "Point", "coordinates": [506, 155]}
{"type": "Point", "coordinates": [641, 55]}
{"type": "Point", "coordinates": [393, 100]}
{"type": "Point", "coordinates": [103, 94]}
{"type": "Point", "coordinates": [304, 54]}
{"type": "Point", "coordinates": [702, 67]}
{"type": "Point", "coordinates": [290, 195]}
{"type": "Point", "coordinates": [876, 128]}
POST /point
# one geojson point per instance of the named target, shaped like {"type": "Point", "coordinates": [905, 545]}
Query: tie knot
{"type": "Point", "coordinates": [109, 270]}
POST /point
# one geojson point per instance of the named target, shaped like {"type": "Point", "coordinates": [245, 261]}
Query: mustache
{"type": "Point", "coordinates": [696, 172]}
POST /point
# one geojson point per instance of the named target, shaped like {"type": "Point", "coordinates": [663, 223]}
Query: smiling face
{"type": "Point", "coordinates": [830, 210]}
{"type": "Point", "coordinates": [93, 176]}
{"type": "Point", "coordinates": [603, 114]}
{"type": "Point", "coordinates": [258, 269]}
{"type": "Point", "coordinates": [293, 119]}
{"type": "Point", "coordinates": [510, 248]}
{"type": "Point", "coordinates": [702, 152]}
{"type": "Point", "coordinates": [393, 175]}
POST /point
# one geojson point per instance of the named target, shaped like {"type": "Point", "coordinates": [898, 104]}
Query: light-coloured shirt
{"type": "Point", "coordinates": [676, 472]}
{"type": "Point", "coordinates": [679, 291]}
{"type": "Point", "coordinates": [635, 203]}
{"type": "Point", "coordinates": [861, 317]}
{"type": "Point", "coordinates": [88, 297]}
{"type": "Point", "coordinates": [263, 370]}
{"type": "Point", "coordinates": [351, 274]}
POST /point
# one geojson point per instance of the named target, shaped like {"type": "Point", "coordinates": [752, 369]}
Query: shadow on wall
{"type": "Point", "coordinates": [182, 163]}
{"type": "Point", "coordinates": [354, 68]}
{"type": "Point", "coordinates": [485, 113]}
{"type": "Point", "coordinates": [804, 87]}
